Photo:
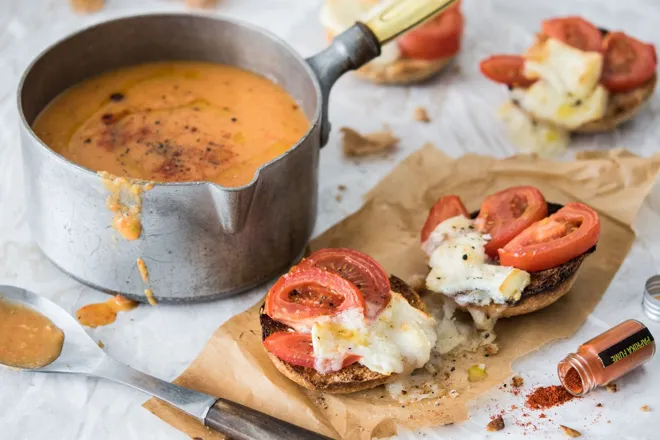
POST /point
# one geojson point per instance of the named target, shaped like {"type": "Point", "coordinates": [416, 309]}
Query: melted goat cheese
{"type": "Point", "coordinates": [399, 340]}
{"type": "Point", "coordinates": [459, 267]}
{"type": "Point", "coordinates": [567, 70]}
{"type": "Point", "coordinates": [567, 93]}
{"type": "Point", "coordinates": [566, 96]}
{"type": "Point", "coordinates": [533, 136]}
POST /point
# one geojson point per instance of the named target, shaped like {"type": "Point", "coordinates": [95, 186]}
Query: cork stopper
{"type": "Point", "coordinates": [201, 3]}
{"type": "Point", "coordinates": [651, 298]}
{"type": "Point", "coordinates": [86, 6]}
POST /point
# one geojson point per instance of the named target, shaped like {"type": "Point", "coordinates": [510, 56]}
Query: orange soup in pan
{"type": "Point", "coordinates": [174, 122]}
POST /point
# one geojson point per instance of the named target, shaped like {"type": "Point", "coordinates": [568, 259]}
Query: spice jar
{"type": "Point", "coordinates": [606, 357]}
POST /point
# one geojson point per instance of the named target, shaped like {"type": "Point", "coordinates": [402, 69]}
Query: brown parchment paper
{"type": "Point", "coordinates": [234, 365]}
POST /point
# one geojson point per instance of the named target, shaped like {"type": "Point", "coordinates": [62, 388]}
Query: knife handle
{"type": "Point", "coordinates": [239, 422]}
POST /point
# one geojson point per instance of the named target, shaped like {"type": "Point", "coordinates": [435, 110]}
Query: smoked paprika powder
{"type": "Point", "coordinates": [606, 357]}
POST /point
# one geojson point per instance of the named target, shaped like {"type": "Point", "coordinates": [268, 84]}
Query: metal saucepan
{"type": "Point", "coordinates": [200, 240]}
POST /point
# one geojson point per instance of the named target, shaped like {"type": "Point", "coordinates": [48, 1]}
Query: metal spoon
{"type": "Point", "coordinates": [81, 355]}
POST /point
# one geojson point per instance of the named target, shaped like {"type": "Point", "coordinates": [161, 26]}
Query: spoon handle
{"type": "Point", "coordinates": [191, 402]}
{"type": "Point", "coordinates": [237, 421]}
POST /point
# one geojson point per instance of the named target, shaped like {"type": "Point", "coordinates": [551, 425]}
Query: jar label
{"type": "Point", "coordinates": [625, 348]}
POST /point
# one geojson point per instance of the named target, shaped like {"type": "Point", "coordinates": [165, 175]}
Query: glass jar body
{"type": "Point", "coordinates": [606, 357]}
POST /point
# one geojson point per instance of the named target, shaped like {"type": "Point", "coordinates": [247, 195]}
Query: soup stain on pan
{"type": "Point", "coordinates": [144, 274]}
{"type": "Point", "coordinates": [125, 201]}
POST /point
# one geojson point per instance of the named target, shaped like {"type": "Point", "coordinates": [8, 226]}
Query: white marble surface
{"type": "Point", "coordinates": [163, 340]}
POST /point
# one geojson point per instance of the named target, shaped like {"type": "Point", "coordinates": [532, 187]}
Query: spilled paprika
{"type": "Point", "coordinates": [606, 357]}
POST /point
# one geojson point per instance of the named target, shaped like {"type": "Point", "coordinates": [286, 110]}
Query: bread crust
{"type": "Point", "coordinates": [403, 70]}
{"type": "Point", "coordinates": [353, 378]}
{"type": "Point", "coordinates": [557, 281]}
{"type": "Point", "coordinates": [544, 288]}
{"type": "Point", "coordinates": [621, 107]}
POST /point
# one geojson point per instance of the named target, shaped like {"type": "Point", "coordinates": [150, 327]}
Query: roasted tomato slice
{"type": "Point", "coordinates": [446, 207]}
{"type": "Point", "coordinates": [299, 297]}
{"type": "Point", "coordinates": [506, 69]}
{"type": "Point", "coordinates": [439, 38]}
{"type": "Point", "coordinates": [358, 268]}
{"type": "Point", "coordinates": [574, 31]}
{"type": "Point", "coordinates": [628, 63]}
{"type": "Point", "coordinates": [296, 348]}
{"type": "Point", "coordinates": [553, 241]}
{"type": "Point", "coordinates": [507, 213]}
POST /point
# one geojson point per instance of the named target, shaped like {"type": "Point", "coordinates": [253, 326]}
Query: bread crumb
{"type": "Point", "coordinates": [421, 115]}
{"type": "Point", "coordinates": [86, 6]}
{"type": "Point", "coordinates": [497, 424]}
{"type": "Point", "coordinates": [611, 387]}
{"type": "Point", "coordinates": [338, 197]}
{"type": "Point", "coordinates": [341, 187]}
{"type": "Point", "coordinates": [599, 405]}
{"type": "Point", "coordinates": [356, 144]}
{"type": "Point", "coordinates": [477, 373]}
{"type": "Point", "coordinates": [570, 432]}
{"type": "Point", "coordinates": [517, 381]}
{"type": "Point", "coordinates": [100, 344]}
{"type": "Point", "coordinates": [645, 408]}
{"type": "Point", "coordinates": [201, 3]}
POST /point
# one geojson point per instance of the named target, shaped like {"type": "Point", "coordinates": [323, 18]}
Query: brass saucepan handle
{"type": "Point", "coordinates": [361, 43]}
{"type": "Point", "coordinates": [398, 16]}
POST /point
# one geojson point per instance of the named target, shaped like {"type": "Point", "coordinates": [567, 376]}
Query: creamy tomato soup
{"type": "Point", "coordinates": [27, 338]}
{"type": "Point", "coordinates": [173, 122]}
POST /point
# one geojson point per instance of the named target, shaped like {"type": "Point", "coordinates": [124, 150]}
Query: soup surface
{"type": "Point", "coordinates": [173, 122]}
{"type": "Point", "coordinates": [27, 338]}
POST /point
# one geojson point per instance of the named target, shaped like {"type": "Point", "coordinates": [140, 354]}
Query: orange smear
{"type": "Point", "coordinates": [98, 314]}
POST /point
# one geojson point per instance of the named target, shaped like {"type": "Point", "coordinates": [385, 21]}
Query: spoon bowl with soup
{"type": "Point", "coordinates": [36, 335]}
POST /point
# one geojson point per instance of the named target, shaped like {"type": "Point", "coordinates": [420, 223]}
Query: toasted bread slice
{"type": "Point", "coordinates": [353, 378]}
{"type": "Point", "coordinates": [403, 70]}
{"type": "Point", "coordinates": [545, 287]}
{"type": "Point", "coordinates": [621, 107]}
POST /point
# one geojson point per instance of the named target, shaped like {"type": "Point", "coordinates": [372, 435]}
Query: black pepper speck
{"type": "Point", "coordinates": [116, 97]}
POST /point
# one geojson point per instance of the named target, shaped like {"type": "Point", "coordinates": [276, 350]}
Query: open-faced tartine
{"type": "Point", "coordinates": [517, 255]}
{"type": "Point", "coordinates": [575, 78]}
{"type": "Point", "coordinates": [337, 323]}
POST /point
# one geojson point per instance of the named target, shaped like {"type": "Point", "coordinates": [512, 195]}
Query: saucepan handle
{"type": "Point", "coordinates": [239, 422]}
{"type": "Point", "coordinates": [361, 43]}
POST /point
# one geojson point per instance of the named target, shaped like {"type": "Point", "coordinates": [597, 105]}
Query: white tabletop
{"type": "Point", "coordinates": [163, 340]}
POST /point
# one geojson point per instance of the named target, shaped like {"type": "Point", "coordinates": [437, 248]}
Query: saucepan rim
{"type": "Point", "coordinates": [316, 121]}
